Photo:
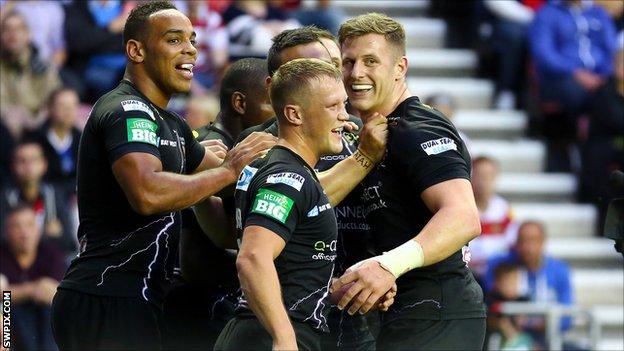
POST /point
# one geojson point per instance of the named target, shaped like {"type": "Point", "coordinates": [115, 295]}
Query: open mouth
{"type": "Point", "coordinates": [361, 87]}
{"type": "Point", "coordinates": [337, 130]}
{"type": "Point", "coordinates": [186, 69]}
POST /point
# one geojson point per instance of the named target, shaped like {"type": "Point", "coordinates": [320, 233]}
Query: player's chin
{"type": "Point", "coordinates": [182, 87]}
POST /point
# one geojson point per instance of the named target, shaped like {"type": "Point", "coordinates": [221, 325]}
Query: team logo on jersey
{"type": "Point", "coordinates": [244, 179]}
{"type": "Point", "coordinates": [272, 204]}
{"type": "Point", "coordinates": [292, 179]}
{"type": "Point", "coordinates": [136, 105]}
{"type": "Point", "coordinates": [318, 209]}
{"type": "Point", "coordinates": [142, 130]}
{"type": "Point", "coordinates": [437, 146]}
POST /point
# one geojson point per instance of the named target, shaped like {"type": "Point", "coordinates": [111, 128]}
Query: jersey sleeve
{"type": "Point", "coordinates": [129, 131]}
{"type": "Point", "coordinates": [430, 155]}
{"type": "Point", "coordinates": [277, 202]}
{"type": "Point", "coordinates": [194, 150]}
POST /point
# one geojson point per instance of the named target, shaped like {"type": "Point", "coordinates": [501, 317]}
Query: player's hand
{"type": "Point", "coordinates": [252, 147]}
{"type": "Point", "coordinates": [370, 283]}
{"type": "Point", "coordinates": [216, 146]}
{"type": "Point", "coordinates": [350, 127]}
{"type": "Point", "coordinates": [387, 300]}
{"type": "Point", "coordinates": [373, 137]}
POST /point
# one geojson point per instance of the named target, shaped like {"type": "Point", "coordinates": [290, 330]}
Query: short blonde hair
{"type": "Point", "coordinates": [291, 83]}
{"type": "Point", "coordinates": [374, 23]}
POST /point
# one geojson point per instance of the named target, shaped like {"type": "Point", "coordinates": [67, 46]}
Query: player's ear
{"type": "Point", "coordinates": [293, 114]}
{"type": "Point", "coordinates": [135, 51]}
{"type": "Point", "coordinates": [267, 82]}
{"type": "Point", "coordinates": [400, 68]}
{"type": "Point", "coordinates": [238, 102]}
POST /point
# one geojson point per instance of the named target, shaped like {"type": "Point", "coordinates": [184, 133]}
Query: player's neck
{"type": "Point", "coordinates": [229, 124]}
{"type": "Point", "coordinates": [300, 146]}
{"type": "Point", "coordinates": [149, 88]}
{"type": "Point", "coordinates": [400, 94]}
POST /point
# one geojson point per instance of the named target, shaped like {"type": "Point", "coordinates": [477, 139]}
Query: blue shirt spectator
{"type": "Point", "coordinates": [546, 279]}
{"type": "Point", "coordinates": [571, 35]}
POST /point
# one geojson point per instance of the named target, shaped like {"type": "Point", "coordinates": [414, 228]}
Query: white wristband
{"type": "Point", "coordinates": [402, 259]}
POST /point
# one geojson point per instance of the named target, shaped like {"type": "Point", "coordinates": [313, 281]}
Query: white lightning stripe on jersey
{"type": "Point", "coordinates": [317, 314]}
{"type": "Point", "coordinates": [149, 268]}
{"type": "Point", "coordinates": [119, 241]}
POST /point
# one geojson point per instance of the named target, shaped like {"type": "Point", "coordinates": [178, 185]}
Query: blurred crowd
{"type": "Point", "coordinates": [562, 61]}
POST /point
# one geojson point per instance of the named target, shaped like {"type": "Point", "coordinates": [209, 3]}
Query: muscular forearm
{"type": "Point", "coordinates": [165, 191]}
{"type": "Point", "coordinates": [260, 285]}
{"type": "Point", "coordinates": [339, 180]}
{"type": "Point", "coordinates": [448, 231]}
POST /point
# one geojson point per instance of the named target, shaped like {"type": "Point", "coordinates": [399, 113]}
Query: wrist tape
{"type": "Point", "coordinates": [402, 259]}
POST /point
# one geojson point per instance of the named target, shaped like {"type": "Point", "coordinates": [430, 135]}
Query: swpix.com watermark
{"type": "Point", "coordinates": [6, 319]}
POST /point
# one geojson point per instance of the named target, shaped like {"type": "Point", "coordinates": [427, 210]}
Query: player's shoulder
{"type": "Point", "coordinates": [420, 123]}
{"type": "Point", "coordinates": [123, 100]}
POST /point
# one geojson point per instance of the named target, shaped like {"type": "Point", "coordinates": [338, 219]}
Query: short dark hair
{"type": "Point", "coordinates": [136, 23]}
{"type": "Point", "coordinates": [58, 91]}
{"type": "Point", "coordinates": [291, 38]}
{"type": "Point", "coordinates": [504, 268]}
{"type": "Point", "coordinates": [246, 75]}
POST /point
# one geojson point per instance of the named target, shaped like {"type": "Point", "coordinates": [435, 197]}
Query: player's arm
{"type": "Point", "coordinates": [339, 180]}
{"type": "Point", "coordinates": [260, 283]}
{"type": "Point", "coordinates": [215, 151]}
{"type": "Point", "coordinates": [150, 190]}
{"type": "Point", "coordinates": [215, 223]}
{"type": "Point", "coordinates": [455, 222]}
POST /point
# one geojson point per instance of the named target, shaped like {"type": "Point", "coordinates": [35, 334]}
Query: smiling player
{"type": "Point", "coordinates": [138, 165]}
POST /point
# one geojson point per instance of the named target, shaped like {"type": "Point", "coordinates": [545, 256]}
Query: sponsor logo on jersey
{"type": "Point", "coordinates": [142, 130]}
{"type": "Point", "coordinates": [334, 157]}
{"type": "Point", "coordinates": [272, 204]}
{"type": "Point", "coordinates": [436, 146]}
{"type": "Point", "coordinates": [136, 105]}
{"type": "Point", "coordinates": [321, 247]}
{"type": "Point", "coordinates": [292, 179]}
{"type": "Point", "coordinates": [318, 209]}
{"type": "Point", "coordinates": [244, 179]}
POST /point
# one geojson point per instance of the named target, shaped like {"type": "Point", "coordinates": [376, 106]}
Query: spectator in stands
{"type": "Point", "coordinates": [510, 23]}
{"type": "Point", "coordinates": [201, 111]}
{"type": "Point", "coordinates": [252, 24]}
{"type": "Point", "coordinates": [50, 203]}
{"type": "Point", "coordinates": [498, 228]}
{"type": "Point", "coordinates": [212, 42]}
{"type": "Point", "coordinates": [445, 103]}
{"type": "Point", "coordinates": [25, 81]}
{"type": "Point", "coordinates": [45, 20]}
{"type": "Point", "coordinates": [504, 332]}
{"type": "Point", "coordinates": [59, 137]}
{"type": "Point", "coordinates": [93, 31]}
{"type": "Point", "coordinates": [546, 279]}
{"type": "Point", "coordinates": [319, 13]}
{"type": "Point", "coordinates": [572, 45]}
{"type": "Point", "coordinates": [603, 151]}
{"type": "Point", "coordinates": [33, 269]}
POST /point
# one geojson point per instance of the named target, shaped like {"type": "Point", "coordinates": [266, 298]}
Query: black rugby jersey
{"type": "Point", "coordinates": [123, 253]}
{"type": "Point", "coordinates": [424, 149]}
{"type": "Point", "coordinates": [284, 196]}
{"type": "Point", "coordinates": [202, 261]}
{"type": "Point", "coordinates": [353, 240]}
